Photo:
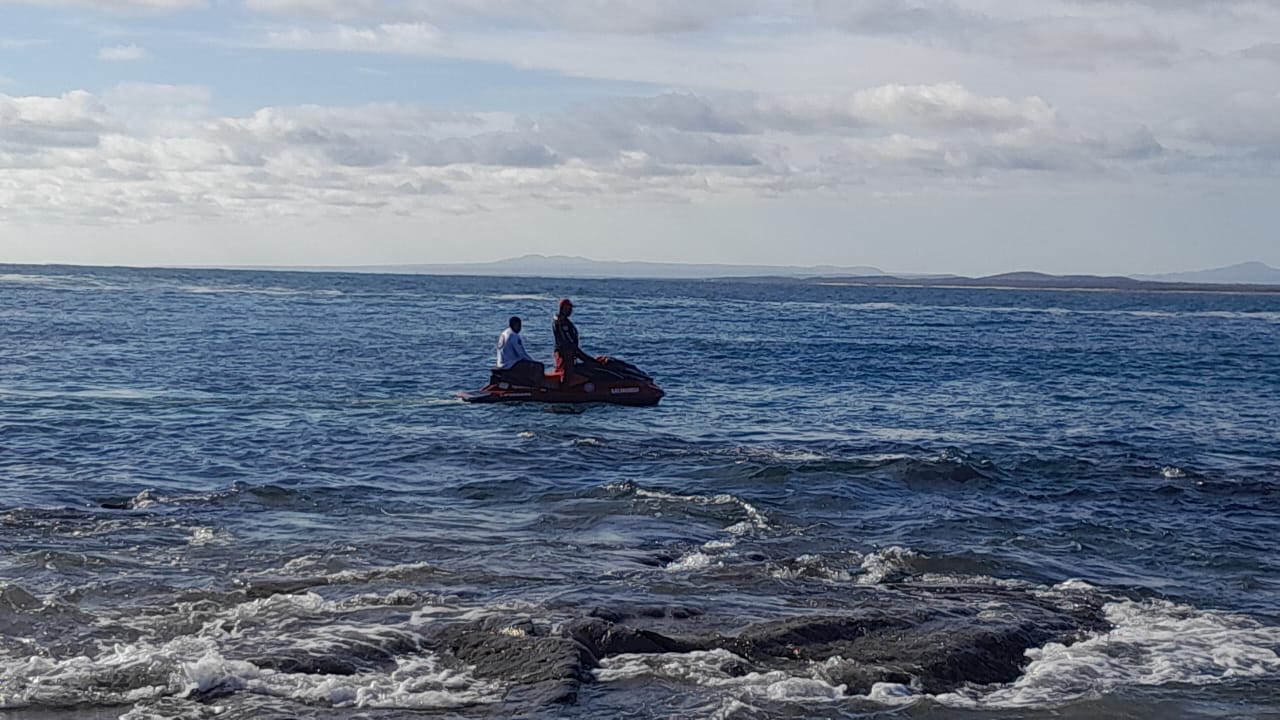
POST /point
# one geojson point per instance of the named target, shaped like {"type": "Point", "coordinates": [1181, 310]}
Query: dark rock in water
{"type": "Point", "coordinates": [933, 637]}
{"type": "Point", "coordinates": [333, 653]}
{"type": "Point", "coordinates": [603, 639]}
{"type": "Point", "coordinates": [306, 663]}
{"type": "Point", "coordinates": [544, 668]}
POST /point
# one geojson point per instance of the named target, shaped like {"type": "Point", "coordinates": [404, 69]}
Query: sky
{"type": "Point", "coordinates": [967, 136]}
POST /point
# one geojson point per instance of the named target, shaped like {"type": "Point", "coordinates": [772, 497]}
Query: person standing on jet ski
{"type": "Point", "coordinates": [567, 350]}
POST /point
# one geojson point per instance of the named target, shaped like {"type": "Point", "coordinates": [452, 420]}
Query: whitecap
{"type": "Point", "coordinates": [523, 296]}
{"type": "Point", "coordinates": [195, 664]}
{"type": "Point", "coordinates": [808, 567]}
{"type": "Point", "coordinates": [885, 564]}
{"type": "Point", "coordinates": [892, 694]}
{"type": "Point", "coordinates": [754, 516]}
{"type": "Point", "coordinates": [251, 290]}
{"type": "Point", "coordinates": [696, 560]}
{"type": "Point", "coordinates": [1152, 643]}
{"type": "Point", "coordinates": [712, 668]}
{"type": "Point", "coordinates": [209, 536]}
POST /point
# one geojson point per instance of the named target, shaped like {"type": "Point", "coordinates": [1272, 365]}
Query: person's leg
{"type": "Point", "coordinates": [526, 372]}
{"type": "Point", "coordinates": [564, 366]}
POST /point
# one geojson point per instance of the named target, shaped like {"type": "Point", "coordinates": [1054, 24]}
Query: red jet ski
{"type": "Point", "coordinates": [608, 380]}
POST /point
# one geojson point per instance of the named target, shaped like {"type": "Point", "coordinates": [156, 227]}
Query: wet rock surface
{"type": "Point", "coordinates": [933, 638]}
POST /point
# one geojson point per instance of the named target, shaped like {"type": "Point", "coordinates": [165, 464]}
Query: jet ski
{"type": "Point", "coordinates": [608, 380]}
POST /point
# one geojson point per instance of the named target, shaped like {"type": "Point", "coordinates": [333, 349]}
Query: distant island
{"type": "Point", "coordinates": [1244, 277]}
{"type": "Point", "coordinates": [580, 267]}
{"type": "Point", "coordinates": [1043, 281]}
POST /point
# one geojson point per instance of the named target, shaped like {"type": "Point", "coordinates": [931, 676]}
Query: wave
{"type": "Point", "coordinates": [751, 514]}
{"type": "Point", "coordinates": [151, 498]}
{"type": "Point", "coordinates": [717, 668]}
{"type": "Point", "coordinates": [524, 296]}
{"type": "Point", "coordinates": [297, 647]}
{"type": "Point", "coordinates": [886, 565]}
{"type": "Point", "coordinates": [710, 553]}
{"type": "Point", "coordinates": [1153, 642]}
{"type": "Point", "coordinates": [255, 290]}
{"type": "Point", "coordinates": [57, 282]}
{"type": "Point", "coordinates": [1149, 643]}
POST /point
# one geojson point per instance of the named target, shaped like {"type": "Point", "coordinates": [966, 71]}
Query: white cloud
{"type": "Point", "coordinates": [126, 6]}
{"type": "Point", "coordinates": [32, 125]}
{"type": "Point", "coordinates": [21, 43]}
{"type": "Point", "coordinates": [148, 153]}
{"type": "Point", "coordinates": [123, 53]}
{"type": "Point", "coordinates": [607, 16]}
{"type": "Point", "coordinates": [395, 38]}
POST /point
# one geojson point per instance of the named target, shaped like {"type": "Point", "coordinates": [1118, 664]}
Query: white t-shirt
{"type": "Point", "coordinates": [511, 349]}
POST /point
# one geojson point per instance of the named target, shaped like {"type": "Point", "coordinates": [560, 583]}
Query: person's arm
{"type": "Point", "coordinates": [557, 332]}
{"type": "Point", "coordinates": [520, 351]}
{"type": "Point", "coordinates": [577, 347]}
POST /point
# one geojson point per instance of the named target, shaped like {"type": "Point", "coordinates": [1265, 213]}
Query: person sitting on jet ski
{"type": "Point", "coordinates": [511, 353]}
{"type": "Point", "coordinates": [567, 350]}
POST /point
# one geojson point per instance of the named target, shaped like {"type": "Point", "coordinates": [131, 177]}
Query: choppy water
{"type": "Point", "coordinates": [204, 469]}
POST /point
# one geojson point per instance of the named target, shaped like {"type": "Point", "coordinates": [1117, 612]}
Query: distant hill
{"type": "Point", "coordinates": [579, 267]}
{"type": "Point", "coordinates": [1043, 281]}
{"type": "Point", "coordinates": [1251, 273]}
{"type": "Point", "coordinates": [1249, 276]}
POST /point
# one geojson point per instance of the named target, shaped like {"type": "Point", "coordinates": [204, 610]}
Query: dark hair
{"type": "Point", "coordinates": [513, 322]}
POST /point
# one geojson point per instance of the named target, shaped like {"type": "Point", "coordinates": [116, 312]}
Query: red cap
{"type": "Point", "coordinates": [565, 302]}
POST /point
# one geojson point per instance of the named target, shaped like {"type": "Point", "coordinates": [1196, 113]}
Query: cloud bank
{"type": "Point", "coordinates": [148, 152]}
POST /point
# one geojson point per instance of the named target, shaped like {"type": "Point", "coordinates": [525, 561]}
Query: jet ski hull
{"type": "Point", "coordinates": [611, 381]}
{"type": "Point", "coordinates": [623, 395]}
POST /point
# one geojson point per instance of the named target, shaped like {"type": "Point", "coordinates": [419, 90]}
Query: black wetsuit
{"type": "Point", "coordinates": [567, 351]}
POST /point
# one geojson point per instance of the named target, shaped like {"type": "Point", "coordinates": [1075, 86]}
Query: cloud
{"type": "Point", "coordinates": [606, 16]}
{"type": "Point", "coordinates": [1263, 51]}
{"type": "Point", "coordinates": [30, 125]}
{"type": "Point", "coordinates": [117, 6]}
{"type": "Point", "coordinates": [152, 152]}
{"type": "Point", "coordinates": [900, 16]}
{"type": "Point", "coordinates": [123, 53]}
{"type": "Point", "coordinates": [21, 43]}
{"type": "Point", "coordinates": [1087, 43]}
{"type": "Point", "coordinates": [395, 38]}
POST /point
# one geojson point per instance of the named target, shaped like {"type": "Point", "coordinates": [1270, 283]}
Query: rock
{"type": "Point", "coordinates": [542, 668]}
{"type": "Point", "coordinates": [932, 637]}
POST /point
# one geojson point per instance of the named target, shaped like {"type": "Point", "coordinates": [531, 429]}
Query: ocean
{"type": "Point", "coordinates": [242, 494]}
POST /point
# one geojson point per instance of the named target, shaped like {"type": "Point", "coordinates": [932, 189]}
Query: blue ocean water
{"type": "Point", "coordinates": [203, 467]}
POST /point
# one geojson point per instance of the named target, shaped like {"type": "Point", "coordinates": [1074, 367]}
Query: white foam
{"type": "Point", "coordinates": [709, 668]}
{"type": "Point", "coordinates": [691, 561]}
{"type": "Point", "coordinates": [810, 566]}
{"type": "Point", "coordinates": [523, 296]}
{"type": "Point", "coordinates": [1153, 642]}
{"type": "Point", "coordinates": [250, 290]}
{"type": "Point", "coordinates": [802, 689]}
{"type": "Point", "coordinates": [893, 694]}
{"type": "Point", "coordinates": [754, 516]}
{"type": "Point", "coordinates": [55, 282]}
{"type": "Point", "coordinates": [128, 673]}
{"type": "Point", "coordinates": [885, 563]}
{"type": "Point", "coordinates": [1169, 472]}
{"type": "Point", "coordinates": [402, 570]}
{"type": "Point", "coordinates": [150, 498]}
{"type": "Point", "coordinates": [201, 536]}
